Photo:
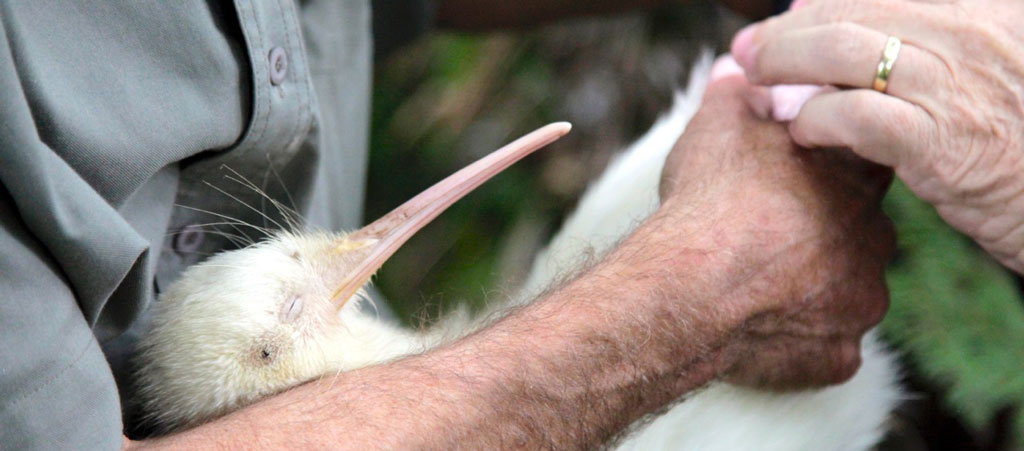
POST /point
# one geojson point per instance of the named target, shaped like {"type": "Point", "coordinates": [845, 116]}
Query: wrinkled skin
{"type": "Point", "coordinates": [809, 226]}
{"type": "Point", "coordinates": [952, 121]}
{"type": "Point", "coordinates": [764, 265]}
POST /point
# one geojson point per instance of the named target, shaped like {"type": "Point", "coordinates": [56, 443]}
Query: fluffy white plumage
{"type": "Point", "coordinates": [851, 416]}
{"type": "Point", "coordinates": [249, 323]}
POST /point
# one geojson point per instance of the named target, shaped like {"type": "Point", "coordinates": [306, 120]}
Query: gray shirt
{"type": "Point", "coordinates": [119, 124]}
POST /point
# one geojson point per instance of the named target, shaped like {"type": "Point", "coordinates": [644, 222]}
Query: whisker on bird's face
{"type": "Point", "coordinates": [279, 312]}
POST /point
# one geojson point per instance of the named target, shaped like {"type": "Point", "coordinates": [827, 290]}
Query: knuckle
{"type": "Point", "coordinates": [847, 362]}
{"type": "Point", "coordinates": [844, 39]}
{"type": "Point", "coordinates": [899, 123]}
{"type": "Point", "coordinates": [876, 308]}
{"type": "Point", "coordinates": [832, 45]}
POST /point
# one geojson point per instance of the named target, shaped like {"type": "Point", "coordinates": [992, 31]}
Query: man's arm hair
{"type": "Point", "coordinates": [764, 266]}
{"type": "Point", "coordinates": [570, 371]}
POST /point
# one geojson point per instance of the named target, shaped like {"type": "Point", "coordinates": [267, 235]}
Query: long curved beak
{"type": "Point", "coordinates": [385, 235]}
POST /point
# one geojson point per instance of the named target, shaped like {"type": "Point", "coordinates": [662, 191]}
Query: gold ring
{"type": "Point", "coordinates": [889, 55]}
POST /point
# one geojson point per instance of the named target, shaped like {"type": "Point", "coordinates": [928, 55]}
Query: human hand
{"type": "Point", "coordinates": [804, 231]}
{"type": "Point", "coordinates": [952, 121]}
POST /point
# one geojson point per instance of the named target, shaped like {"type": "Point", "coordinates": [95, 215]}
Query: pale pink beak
{"type": "Point", "coordinates": [388, 233]}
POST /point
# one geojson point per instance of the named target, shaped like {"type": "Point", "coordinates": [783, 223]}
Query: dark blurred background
{"type": "Point", "coordinates": [444, 100]}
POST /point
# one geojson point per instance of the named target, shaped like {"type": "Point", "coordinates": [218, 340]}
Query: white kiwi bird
{"type": "Point", "coordinates": [249, 323]}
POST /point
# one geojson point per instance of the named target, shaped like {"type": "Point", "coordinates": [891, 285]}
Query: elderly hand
{"type": "Point", "coordinates": [951, 122]}
{"type": "Point", "coordinates": [806, 227]}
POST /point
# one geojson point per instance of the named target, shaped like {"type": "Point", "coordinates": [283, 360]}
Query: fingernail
{"type": "Point", "coordinates": [725, 66]}
{"type": "Point", "coordinates": [743, 47]}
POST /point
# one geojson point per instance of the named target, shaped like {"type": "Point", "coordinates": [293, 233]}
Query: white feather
{"type": "Point", "coordinates": [851, 416]}
{"type": "Point", "coordinates": [230, 330]}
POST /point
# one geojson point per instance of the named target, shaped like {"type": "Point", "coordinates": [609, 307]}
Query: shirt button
{"type": "Point", "coordinates": [189, 239]}
{"type": "Point", "coordinates": [278, 65]}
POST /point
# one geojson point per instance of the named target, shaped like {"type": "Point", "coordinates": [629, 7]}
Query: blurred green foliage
{"type": "Point", "coordinates": [419, 110]}
{"type": "Point", "coordinates": [956, 313]}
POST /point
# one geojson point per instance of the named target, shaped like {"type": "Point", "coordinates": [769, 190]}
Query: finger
{"type": "Point", "coordinates": [913, 20]}
{"type": "Point", "coordinates": [878, 127]}
{"type": "Point", "coordinates": [845, 54]}
{"type": "Point", "coordinates": [916, 23]}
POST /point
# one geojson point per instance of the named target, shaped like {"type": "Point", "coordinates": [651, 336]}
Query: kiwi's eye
{"type": "Point", "coordinates": [292, 309]}
{"type": "Point", "coordinates": [265, 354]}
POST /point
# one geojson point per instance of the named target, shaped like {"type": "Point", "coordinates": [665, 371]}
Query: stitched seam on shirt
{"type": "Point", "coordinates": [258, 81]}
{"type": "Point", "coordinates": [293, 134]}
{"type": "Point", "coordinates": [49, 381]}
{"type": "Point", "coordinates": [307, 106]}
{"type": "Point", "coordinates": [288, 43]}
{"type": "Point", "coordinates": [266, 76]}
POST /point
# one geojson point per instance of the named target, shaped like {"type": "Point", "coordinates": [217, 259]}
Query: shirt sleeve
{"type": "Point", "coordinates": [108, 118]}
{"type": "Point", "coordinates": [56, 389]}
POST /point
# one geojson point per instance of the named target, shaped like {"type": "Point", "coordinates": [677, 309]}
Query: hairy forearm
{"type": "Point", "coordinates": [570, 371]}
